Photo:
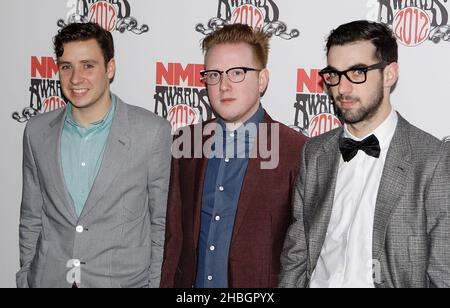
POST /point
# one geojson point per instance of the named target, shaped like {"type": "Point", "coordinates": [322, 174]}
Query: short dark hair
{"type": "Point", "coordinates": [379, 34]}
{"type": "Point", "coordinates": [78, 32]}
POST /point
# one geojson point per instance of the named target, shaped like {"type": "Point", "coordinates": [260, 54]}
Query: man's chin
{"type": "Point", "coordinates": [227, 116]}
{"type": "Point", "coordinates": [350, 117]}
{"type": "Point", "coordinates": [80, 105]}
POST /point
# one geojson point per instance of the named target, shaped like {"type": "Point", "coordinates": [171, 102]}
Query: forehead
{"type": "Point", "coordinates": [345, 56]}
{"type": "Point", "coordinates": [224, 56]}
{"type": "Point", "coordinates": [82, 50]}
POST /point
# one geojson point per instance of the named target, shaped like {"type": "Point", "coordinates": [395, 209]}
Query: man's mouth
{"type": "Point", "coordinates": [227, 100]}
{"type": "Point", "coordinates": [346, 104]}
{"type": "Point", "coordinates": [79, 92]}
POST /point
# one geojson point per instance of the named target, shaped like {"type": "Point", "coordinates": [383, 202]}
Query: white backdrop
{"type": "Point", "coordinates": [169, 33]}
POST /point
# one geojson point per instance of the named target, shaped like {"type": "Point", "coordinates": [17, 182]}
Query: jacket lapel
{"type": "Point", "coordinates": [318, 216]}
{"type": "Point", "coordinates": [115, 154]}
{"type": "Point", "coordinates": [54, 163]}
{"type": "Point", "coordinates": [252, 175]}
{"type": "Point", "coordinates": [200, 183]}
{"type": "Point", "coordinates": [392, 186]}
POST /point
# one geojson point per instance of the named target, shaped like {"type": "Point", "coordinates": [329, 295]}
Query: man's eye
{"type": "Point", "coordinates": [333, 75]}
{"type": "Point", "coordinates": [357, 72]}
{"type": "Point", "coordinates": [88, 66]}
{"type": "Point", "coordinates": [64, 67]}
{"type": "Point", "coordinates": [237, 73]}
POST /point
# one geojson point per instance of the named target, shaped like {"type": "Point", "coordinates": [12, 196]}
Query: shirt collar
{"type": "Point", "coordinates": [255, 119]}
{"type": "Point", "coordinates": [107, 119]}
{"type": "Point", "coordinates": [384, 133]}
{"type": "Point", "coordinates": [243, 138]}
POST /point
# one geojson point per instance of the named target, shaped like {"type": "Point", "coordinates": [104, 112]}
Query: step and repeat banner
{"type": "Point", "coordinates": [159, 59]}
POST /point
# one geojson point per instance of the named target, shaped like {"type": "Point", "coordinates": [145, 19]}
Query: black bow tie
{"type": "Point", "coordinates": [349, 147]}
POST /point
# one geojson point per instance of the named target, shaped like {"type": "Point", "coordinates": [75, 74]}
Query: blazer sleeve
{"type": "Point", "coordinates": [438, 216]}
{"type": "Point", "coordinates": [174, 231]}
{"type": "Point", "coordinates": [158, 182]}
{"type": "Point", "coordinates": [30, 213]}
{"type": "Point", "coordinates": [294, 254]}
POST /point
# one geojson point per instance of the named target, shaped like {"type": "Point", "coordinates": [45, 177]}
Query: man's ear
{"type": "Point", "coordinates": [111, 69]}
{"type": "Point", "coordinates": [391, 75]}
{"type": "Point", "coordinates": [263, 80]}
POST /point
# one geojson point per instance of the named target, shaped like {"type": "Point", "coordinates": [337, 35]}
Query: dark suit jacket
{"type": "Point", "coordinates": [263, 216]}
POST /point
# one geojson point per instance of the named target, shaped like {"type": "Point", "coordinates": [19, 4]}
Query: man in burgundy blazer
{"type": "Point", "coordinates": [227, 218]}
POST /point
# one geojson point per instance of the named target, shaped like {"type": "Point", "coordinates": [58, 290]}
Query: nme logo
{"type": "Point", "coordinates": [181, 116]}
{"type": "Point", "coordinates": [104, 14]}
{"type": "Point", "coordinates": [249, 15]}
{"type": "Point", "coordinates": [323, 123]}
{"type": "Point", "coordinates": [413, 22]}
{"type": "Point", "coordinates": [314, 110]}
{"type": "Point", "coordinates": [412, 26]}
{"type": "Point", "coordinates": [258, 14]}
{"type": "Point", "coordinates": [45, 67]}
{"type": "Point", "coordinates": [181, 96]}
{"type": "Point", "coordinates": [111, 15]}
{"type": "Point", "coordinates": [174, 74]}
{"type": "Point", "coordinates": [312, 81]}
{"type": "Point", "coordinates": [45, 89]}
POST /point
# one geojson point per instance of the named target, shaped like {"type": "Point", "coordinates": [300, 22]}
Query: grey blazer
{"type": "Point", "coordinates": [411, 240]}
{"type": "Point", "coordinates": [119, 237]}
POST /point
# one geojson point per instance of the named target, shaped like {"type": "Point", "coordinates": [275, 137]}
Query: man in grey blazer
{"type": "Point", "coordinates": [372, 202]}
{"type": "Point", "coordinates": [95, 178]}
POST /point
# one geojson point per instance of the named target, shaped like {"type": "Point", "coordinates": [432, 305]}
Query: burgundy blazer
{"type": "Point", "coordinates": [263, 216]}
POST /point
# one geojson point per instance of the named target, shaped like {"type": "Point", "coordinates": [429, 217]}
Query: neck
{"type": "Point", "coordinates": [94, 113]}
{"type": "Point", "coordinates": [364, 128]}
{"type": "Point", "coordinates": [232, 126]}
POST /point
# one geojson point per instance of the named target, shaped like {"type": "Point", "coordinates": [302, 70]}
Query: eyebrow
{"type": "Point", "coordinates": [84, 62]}
{"type": "Point", "coordinates": [355, 66]}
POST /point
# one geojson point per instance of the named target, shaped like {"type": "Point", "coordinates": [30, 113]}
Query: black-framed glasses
{"type": "Point", "coordinates": [356, 74]}
{"type": "Point", "coordinates": [235, 75]}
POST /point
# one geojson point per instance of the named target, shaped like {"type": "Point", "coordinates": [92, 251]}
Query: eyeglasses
{"type": "Point", "coordinates": [356, 74]}
{"type": "Point", "coordinates": [235, 74]}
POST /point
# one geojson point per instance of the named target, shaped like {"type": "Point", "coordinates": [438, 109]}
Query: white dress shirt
{"type": "Point", "coordinates": [346, 257]}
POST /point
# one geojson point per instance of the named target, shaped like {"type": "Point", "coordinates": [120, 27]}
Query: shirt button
{"type": "Point", "coordinates": [221, 188]}
{"type": "Point", "coordinates": [210, 278]}
{"type": "Point", "coordinates": [212, 248]}
{"type": "Point", "coordinates": [80, 229]}
{"type": "Point", "coordinates": [83, 164]}
{"type": "Point", "coordinates": [232, 135]}
{"type": "Point", "coordinates": [76, 263]}
{"type": "Point", "coordinates": [217, 218]}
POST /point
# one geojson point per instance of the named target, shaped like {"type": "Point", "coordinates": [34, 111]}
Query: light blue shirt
{"type": "Point", "coordinates": [82, 150]}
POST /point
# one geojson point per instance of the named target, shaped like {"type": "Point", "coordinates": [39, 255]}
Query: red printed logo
{"type": "Point", "coordinates": [412, 26]}
{"type": "Point", "coordinates": [181, 116]}
{"type": "Point", "coordinates": [323, 123]}
{"type": "Point", "coordinates": [249, 15]}
{"type": "Point", "coordinates": [52, 103]}
{"type": "Point", "coordinates": [104, 14]}
{"type": "Point", "coordinates": [314, 109]}
{"type": "Point", "coordinates": [180, 95]}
